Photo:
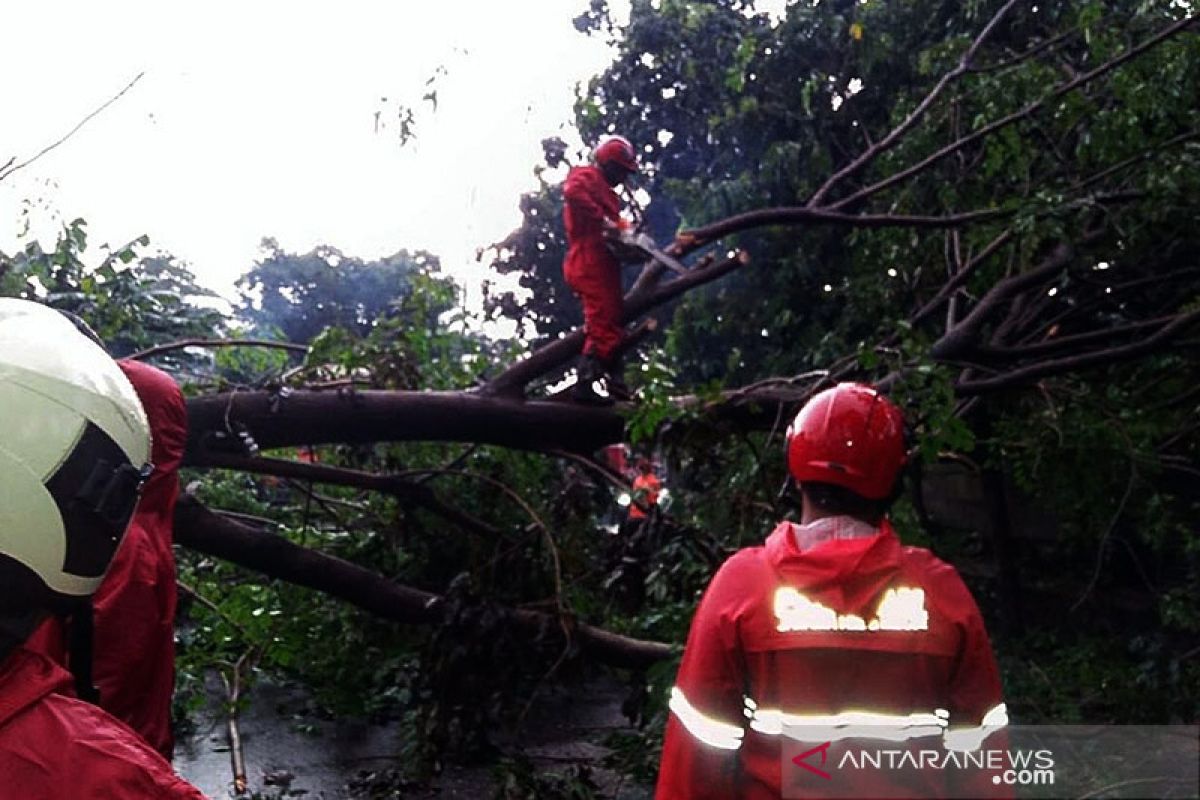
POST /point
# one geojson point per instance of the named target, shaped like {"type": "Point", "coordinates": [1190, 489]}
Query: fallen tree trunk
{"type": "Point", "coordinates": [200, 529]}
{"type": "Point", "coordinates": [305, 417]}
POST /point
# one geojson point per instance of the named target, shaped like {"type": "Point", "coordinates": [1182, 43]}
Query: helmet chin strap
{"type": "Point", "coordinates": [17, 626]}
{"type": "Point", "coordinates": [80, 636]}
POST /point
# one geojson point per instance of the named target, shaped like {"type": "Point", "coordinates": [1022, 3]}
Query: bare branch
{"type": "Point", "coordinates": [158, 350]}
{"type": "Point", "coordinates": [7, 170]}
{"type": "Point", "coordinates": [1112, 292]}
{"type": "Point", "coordinates": [894, 135]}
{"type": "Point", "coordinates": [794, 215]}
{"type": "Point", "coordinates": [1003, 122]}
{"type": "Point", "coordinates": [1058, 366]}
{"type": "Point", "coordinates": [1142, 156]}
{"type": "Point", "coordinates": [960, 278]}
{"type": "Point", "coordinates": [1022, 57]}
{"type": "Point", "coordinates": [393, 485]}
{"type": "Point", "coordinates": [1112, 526]}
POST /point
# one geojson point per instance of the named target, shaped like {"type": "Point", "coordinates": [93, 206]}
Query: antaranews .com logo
{"type": "Point", "coordinates": [1021, 761]}
{"type": "Point", "coordinates": [917, 769]}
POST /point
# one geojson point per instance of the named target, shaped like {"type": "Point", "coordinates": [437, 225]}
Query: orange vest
{"type": "Point", "coordinates": [645, 490]}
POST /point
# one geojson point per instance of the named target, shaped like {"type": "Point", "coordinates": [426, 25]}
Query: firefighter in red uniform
{"type": "Point", "coordinates": [833, 633]}
{"type": "Point", "coordinates": [74, 451]}
{"type": "Point", "coordinates": [591, 213]}
{"type": "Point", "coordinates": [134, 609]}
{"type": "Point", "coordinates": [135, 605]}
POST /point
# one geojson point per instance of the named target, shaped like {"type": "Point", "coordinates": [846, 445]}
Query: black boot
{"type": "Point", "coordinates": [613, 380]}
{"type": "Point", "coordinates": [588, 370]}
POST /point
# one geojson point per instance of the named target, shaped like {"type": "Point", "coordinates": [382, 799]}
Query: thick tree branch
{"type": "Point", "coordinates": [1075, 363]}
{"type": "Point", "coordinates": [795, 215]}
{"type": "Point", "coordinates": [393, 485]}
{"type": "Point", "coordinates": [350, 417]}
{"type": "Point", "coordinates": [1073, 342]}
{"type": "Point", "coordinates": [1003, 122]}
{"type": "Point", "coordinates": [964, 336]}
{"type": "Point", "coordinates": [888, 141]}
{"type": "Point", "coordinates": [158, 350]}
{"type": "Point", "coordinates": [200, 529]}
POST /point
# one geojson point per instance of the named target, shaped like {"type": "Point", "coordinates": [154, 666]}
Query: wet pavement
{"type": "Point", "coordinates": [289, 753]}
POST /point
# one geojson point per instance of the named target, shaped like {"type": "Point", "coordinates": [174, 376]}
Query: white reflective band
{"type": "Point", "coordinates": [706, 729]}
{"type": "Point", "coordinates": [965, 739]}
{"type": "Point", "coordinates": [849, 724]}
{"type": "Point", "coordinates": [903, 609]}
{"type": "Point", "coordinates": [900, 609]}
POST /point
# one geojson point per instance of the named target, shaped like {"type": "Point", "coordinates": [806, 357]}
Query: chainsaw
{"type": "Point", "coordinates": [630, 244]}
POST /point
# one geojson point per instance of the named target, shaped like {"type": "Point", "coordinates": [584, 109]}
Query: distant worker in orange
{"type": "Point", "coordinates": [646, 489]}
{"type": "Point", "coordinates": [591, 214]}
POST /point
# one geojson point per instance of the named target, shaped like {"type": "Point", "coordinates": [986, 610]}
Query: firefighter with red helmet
{"type": "Point", "coordinates": [591, 214]}
{"type": "Point", "coordinates": [832, 633]}
{"type": "Point", "coordinates": [74, 456]}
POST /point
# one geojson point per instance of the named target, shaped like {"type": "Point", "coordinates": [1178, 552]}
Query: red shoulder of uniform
{"type": "Point", "coordinates": [944, 584]}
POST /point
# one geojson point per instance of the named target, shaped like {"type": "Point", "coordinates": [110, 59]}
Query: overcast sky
{"type": "Point", "coordinates": [257, 119]}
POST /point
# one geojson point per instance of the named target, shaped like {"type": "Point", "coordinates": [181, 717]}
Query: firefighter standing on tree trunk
{"type": "Point", "coordinates": [833, 634]}
{"type": "Point", "coordinates": [591, 213]}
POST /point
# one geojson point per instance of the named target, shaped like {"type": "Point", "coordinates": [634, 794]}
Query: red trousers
{"type": "Point", "coordinates": [595, 277]}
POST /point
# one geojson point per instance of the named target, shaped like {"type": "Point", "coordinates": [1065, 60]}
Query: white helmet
{"type": "Point", "coordinates": [74, 447]}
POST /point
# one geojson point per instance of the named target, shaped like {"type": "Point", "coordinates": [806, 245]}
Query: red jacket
{"type": "Point", "coordinates": [134, 652]}
{"type": "Point", "coordinates": [785, 638]}
{"type": "Point", "coordinates": [588, 201]}
{"type": "Point", "coordinates": [135, 605]}
{"type": "Point", "coordinates": [590, 268]}
{"type": "Point", "coordinates": [53, 746]}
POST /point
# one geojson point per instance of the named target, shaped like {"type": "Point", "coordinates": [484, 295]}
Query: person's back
{"type": "Point", "coordinates": [55, 747]}
{"type": "Point", "coordinates": [833, 634]}
{"type": "Point", "coordinates": [135, 605]}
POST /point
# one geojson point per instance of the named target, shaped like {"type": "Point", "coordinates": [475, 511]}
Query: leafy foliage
{"type": "Point", "coordinates": [301, 295]}
{"type": "Point", "coordinates": [132, 300]}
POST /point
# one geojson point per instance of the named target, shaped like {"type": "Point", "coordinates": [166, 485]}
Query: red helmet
{"type": "Point", "coordinates": [617, 150]}
{"type": "Point", "coordinates": [849, 436]}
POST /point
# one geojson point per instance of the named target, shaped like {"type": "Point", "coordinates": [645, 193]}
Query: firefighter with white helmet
{"type": "Point", "coordinates": [74, 452]}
